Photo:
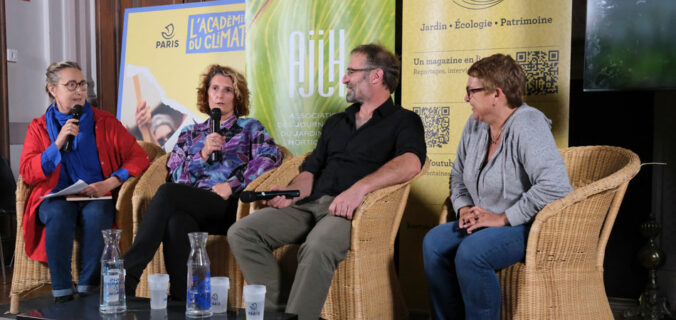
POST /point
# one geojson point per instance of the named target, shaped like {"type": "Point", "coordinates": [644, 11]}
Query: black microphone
{"type": "Point", "coordinates": [249, 196]}
{"type": "Point", "coordinates": [76, 112]}
{"type": "Point", "coordinates": [216, 155]}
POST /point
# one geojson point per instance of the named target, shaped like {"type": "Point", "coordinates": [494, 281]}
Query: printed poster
{"type": "Point", "coordinates": [441, 40]}
{"type": "Point", "coordinates": [297, 56]}
{"type": "Point", "coordinates": [165, 50]}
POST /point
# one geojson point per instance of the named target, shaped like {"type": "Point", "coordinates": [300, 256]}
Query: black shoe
{"type": "Point", "coordinates": [62, 299]}
{"type": "Point", "coordinates": [79, 295]}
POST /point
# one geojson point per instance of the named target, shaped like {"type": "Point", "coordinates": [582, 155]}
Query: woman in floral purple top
{"type": "Point", "coordinates": [202, 195]}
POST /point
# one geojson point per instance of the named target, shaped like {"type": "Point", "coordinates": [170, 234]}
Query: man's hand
{"type": "Point", "coordinates": [212, 142]}
{"type": "Point", "coordinates": [223, 190]}
{"type": "Point", "coordinates": [279, 201]}
{"type": "Point", "coordinates": [101, 188]}
{"type": "Point", "coordinates": [484, 218]}
{"type": "Point", "coordinates": [347, 202]}
{"type": "Point", "coordinates": [70, 128]}
{"type": "Point", "coordinates": [302, 182]}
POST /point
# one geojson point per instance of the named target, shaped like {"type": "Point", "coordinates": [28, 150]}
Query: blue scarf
{"type": "Point", "coordinates": [83, 161]}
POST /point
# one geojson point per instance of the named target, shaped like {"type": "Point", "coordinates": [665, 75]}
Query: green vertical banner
{"type": "Point", "coordinates": [296, 56]}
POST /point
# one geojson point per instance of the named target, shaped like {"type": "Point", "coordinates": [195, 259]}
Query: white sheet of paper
{"type": "Point", "coordinates": [75, 188]}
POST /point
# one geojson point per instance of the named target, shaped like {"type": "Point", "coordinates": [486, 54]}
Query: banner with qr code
{"type": "Point", "coordinates": [302, 49]}
{"type": "Point", "coordinates": [165, 49]}
{"type": "Point", "coordinates": [440, 41]}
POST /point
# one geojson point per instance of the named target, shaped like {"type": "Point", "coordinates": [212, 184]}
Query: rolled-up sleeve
{"type": "Point", "coordinates": [50, 159]}
{"type": "Point", "coordinates": [411, 137]}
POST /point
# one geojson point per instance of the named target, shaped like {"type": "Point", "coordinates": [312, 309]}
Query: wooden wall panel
{"type": "Point", "coordinates": [107, 53]}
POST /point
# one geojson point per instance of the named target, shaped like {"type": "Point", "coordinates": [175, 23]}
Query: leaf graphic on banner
{"type": "Point", "coordinates": [295, 77]}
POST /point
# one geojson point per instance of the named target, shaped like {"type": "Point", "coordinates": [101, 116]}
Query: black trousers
{"type": "Point", "coordinates": [176, 210]}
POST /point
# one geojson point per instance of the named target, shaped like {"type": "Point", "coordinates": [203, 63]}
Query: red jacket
{"type": "Point", "coordinates": [117, 148]}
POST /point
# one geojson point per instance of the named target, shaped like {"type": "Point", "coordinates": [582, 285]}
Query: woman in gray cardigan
{"type": "Point", "coordinates": [507, 168]}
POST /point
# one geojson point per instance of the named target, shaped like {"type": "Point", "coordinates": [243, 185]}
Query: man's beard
{"type": "Point", "coordinates": [351, 97]}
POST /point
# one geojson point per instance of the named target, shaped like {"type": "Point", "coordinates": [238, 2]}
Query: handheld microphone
{"type": "Point", "coordinates": [216, 155]}
{"type": "Point", "coordinates": [250, 196]}
{"type": "Point", "coordinates": [76, 112]}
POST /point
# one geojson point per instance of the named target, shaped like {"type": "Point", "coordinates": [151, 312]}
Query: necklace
{"type": "Point", "coordinates": [496, 139]}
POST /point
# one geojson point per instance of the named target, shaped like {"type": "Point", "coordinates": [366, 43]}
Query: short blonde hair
{"type": "Point", "coordinates": [53, 74]}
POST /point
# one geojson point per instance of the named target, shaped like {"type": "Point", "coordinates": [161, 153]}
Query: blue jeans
{"type": "Point", "coordinates": [61, 218]}
{"type": "Point", "coordinates": [460, 268]}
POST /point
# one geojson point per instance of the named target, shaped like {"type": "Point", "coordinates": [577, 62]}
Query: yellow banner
{"type": "Point", "coordinates": [165, 50]}
{"type": "Point", "coordinates": [441, 40]}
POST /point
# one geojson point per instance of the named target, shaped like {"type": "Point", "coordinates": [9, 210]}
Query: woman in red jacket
{"type": "Point", "coordinates": [103, 155]}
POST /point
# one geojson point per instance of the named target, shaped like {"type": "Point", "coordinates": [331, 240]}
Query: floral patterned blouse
{"type": "Point", "coordinates": [248, 152]}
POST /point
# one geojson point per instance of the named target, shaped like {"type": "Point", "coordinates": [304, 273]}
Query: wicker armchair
{"type": "Point", "coordinates": [30, 276]}
{"type": "Point", "coordinates": [222, 261]}
{"type": "Point", "coordinates": [562, 277]}
{"type": "Point", "coordinates": [365, 285]}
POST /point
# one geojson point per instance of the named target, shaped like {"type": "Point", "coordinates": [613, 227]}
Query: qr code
{"type": "Point", "coordinates": [437, 122]}
{"type": "Point", "coordinates": [542, 70]}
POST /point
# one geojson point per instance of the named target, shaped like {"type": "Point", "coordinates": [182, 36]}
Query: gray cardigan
{"type": "Point", "coordinates": [525, 173]}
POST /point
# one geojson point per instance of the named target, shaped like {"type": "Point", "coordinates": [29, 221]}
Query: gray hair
{"type": "Point", "coordinates": [52, 75]}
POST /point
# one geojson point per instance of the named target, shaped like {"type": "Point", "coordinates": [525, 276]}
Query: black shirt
{"type": "Point", "coordinates": [344, 154]}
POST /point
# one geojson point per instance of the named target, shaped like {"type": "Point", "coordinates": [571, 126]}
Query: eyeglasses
{"type": "Point", "coordinates": [471, 91]}
{"type": "Point", "coordinates": [72, 85]}
{"type": "Point", "coordinates": [350, 71]}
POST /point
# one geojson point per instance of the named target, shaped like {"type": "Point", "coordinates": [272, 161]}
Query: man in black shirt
{"type": "Point", "coordinates": [372, 145]}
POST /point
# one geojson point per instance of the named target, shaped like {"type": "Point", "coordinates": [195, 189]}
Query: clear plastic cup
{"type": "Point", "coordinates": [158, 284]}
{"type": "Point", "coordinates": [158, 314]}
{"type": "Point", "coordinates": [254, 299]}
{"type": "Point", "coordinates": [219, 294]}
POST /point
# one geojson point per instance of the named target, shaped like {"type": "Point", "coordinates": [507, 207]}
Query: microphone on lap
{"type": "Point", "coordinates": [250, 196]}
{"type": "Point", "coordinates": [76, 112]}
{"type": "Point", "coordinates": [216, 155]}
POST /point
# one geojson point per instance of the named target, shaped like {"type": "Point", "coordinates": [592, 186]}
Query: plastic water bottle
{"type": "Point", "coordinates": [198, 298]}
{"type": "Point", "coordinates": [112, 298]}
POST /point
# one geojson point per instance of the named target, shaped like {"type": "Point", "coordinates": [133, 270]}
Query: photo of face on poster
{"type": "Point", "coordinates": [148, 113]}
{"type": "Point", "coordinates": [165, 50]}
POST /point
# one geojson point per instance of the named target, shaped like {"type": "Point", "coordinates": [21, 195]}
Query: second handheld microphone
{"type": "Point", "coordinates": [216, 155]}
{"type": "Point", "coordinates": [249, 196]}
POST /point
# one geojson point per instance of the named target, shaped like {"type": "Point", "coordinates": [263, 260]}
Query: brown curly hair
{"type": "Point", "coordinates": [241, 100]}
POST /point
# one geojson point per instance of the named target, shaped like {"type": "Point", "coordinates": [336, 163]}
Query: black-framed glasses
{"type": "Point", "coordinates": [350, 71]}
{"type": "Point", "coordinates": [471, 91]}
{"type": "Point", "coordinates": [72, 85]}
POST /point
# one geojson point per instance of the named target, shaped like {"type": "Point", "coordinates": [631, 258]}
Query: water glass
{"type": "Point", "coordinates": [219, 294]}
{"type": "Point", "coordinates": [158, 284]}
{"type": "Point", "coordinates": [254, 299]}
